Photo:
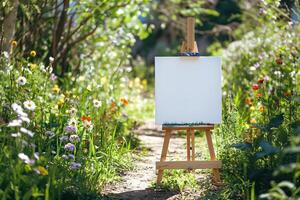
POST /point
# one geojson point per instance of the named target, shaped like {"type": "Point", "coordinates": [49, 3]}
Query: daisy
{"type": "Point", "coordinates": [88, 125]}
{"type": "Point", "coordinates": [26, 131]}
{"type": "Point", "coordinates": [21, 80]}
{"type": "Point", "coordinates": [29, 105]}
{"type": "Point", "coordinates": [15, 123]}
{"type": "Point", "coordinates": [97, 103]}
{"type": "Point", "coordinates": [72, 111]}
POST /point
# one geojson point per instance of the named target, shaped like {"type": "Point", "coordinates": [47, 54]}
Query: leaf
{"type": "Point", "coordinates": [286, 184]}
{"type": "Point", "coordinates": [242, 146]}
{"type": "Point", "coordinates": [276, 121]}
{"type": "Point", "coordinates": [267, 149]}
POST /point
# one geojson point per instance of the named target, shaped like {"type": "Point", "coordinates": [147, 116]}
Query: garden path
{"type": "Point", "coordinates": [136, 184]}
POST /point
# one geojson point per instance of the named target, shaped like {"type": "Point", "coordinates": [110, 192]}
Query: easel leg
{"type": "Point", "coordinates": [164, 154]}
{"type": "Point", "coordinates": [216, 173]}
{"type": "Point", "coordinates": [188, 145]}
{"type": "Point", "coordinates": [193, 144]}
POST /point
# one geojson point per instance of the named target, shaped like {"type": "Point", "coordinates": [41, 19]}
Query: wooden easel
{"type": "Point", "coordinates": [189, 45]}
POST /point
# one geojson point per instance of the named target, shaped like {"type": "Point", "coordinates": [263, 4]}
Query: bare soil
{"type": "Point", "coordinates": [136, 184]}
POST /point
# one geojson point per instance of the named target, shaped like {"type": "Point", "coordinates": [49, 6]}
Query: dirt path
{"type": "Point", "coordinates": [135, 184]}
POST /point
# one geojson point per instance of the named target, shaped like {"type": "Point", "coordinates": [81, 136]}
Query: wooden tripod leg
{"type": "Point", "coordinates": [188, 145]}
{"type": "Point", "coordinates": [193, 144]}
{"type": "Point", "coordinates": [216, 173]}
{"type": "Point", "coordinates": [164, 154]}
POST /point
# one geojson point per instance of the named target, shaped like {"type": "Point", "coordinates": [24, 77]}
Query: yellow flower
{"type": "Point", "coordinates": [33, 53]}
{"type": "Point", "coordinates": [103, 80]}
{"type": "Point", "coordinates": [61, 100]}
{"type": "Point", "coordinates": [252, 108]}
{"type": "Point", "coordinates": [14, 43]}
{"type": "Point", "coordinates": [43, 171]}
{"type": "Point", "coordinates": [33, 66]}
{"type": "Point", "coordinates": [253, 121]}
{"type": "Point", "coordinates": [262, 109]}
{"type": "Point", "coordinates": [89, 88]}
{"type": "Point", "coordinates": [55, 89]}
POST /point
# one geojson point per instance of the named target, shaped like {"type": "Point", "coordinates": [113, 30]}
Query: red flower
{"type": "Point", "coordinates": [279, 61]}
{"type": "Point", "coordinates": [259, 95]}
{"type": "Point", "coordinates": [255, 87]}
{"type": "Point", "coordinates": [86, 118]}
{"type": "Point", "coordinates": [260, 81]}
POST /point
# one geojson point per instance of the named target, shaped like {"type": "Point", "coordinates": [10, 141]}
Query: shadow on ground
{"type": "Point", "coordinates": [147, 194]}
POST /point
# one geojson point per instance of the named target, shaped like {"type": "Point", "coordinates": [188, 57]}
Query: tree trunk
{"type": "Point", "coordinates": [9, 26]}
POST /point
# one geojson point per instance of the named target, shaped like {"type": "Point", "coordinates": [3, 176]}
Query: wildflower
{"type": "Point", "coordinates": [36, 155]}
{"type": "Point", "coordinates": [21, 80]}
{"type": "Point", "coordinates": [266, 78]}
{"type": "Point", "coordinates": [259, 95]}
{"type": "Point", "coordinates": [14, 43]}
{"type": "Point", "coordinates": [278, 73]}
{"type": "Point", "coordinates": [69, 147]}
{"type": "Point", "coordinates": [74, 138]}
{"type": "Point", "coordinates": [49, 69]}
{"type": "Point", "coordinates": [86, 118]}
{"type": "Point", "coordinates": [253, 121]}
{"type": "Point", "coordinates": [279, 61]}
{"type": "Point", "coordinates": [97, 103]}
{"type": "Point", "coordinates": [252, 108]}
{"type": "Point", "coordinates": [61, 100]}
{"type": "Point", "coordinates": [72, 111]}
{"type": "Point", "coordinates": [262, 109]}
{"type": "Point", "coordinates": [74, 165]}
{"type": "Point", "coordinates": [15, 123]}
{"type": "Point", "coordinates": [32, 53]}
{"type": "Point", "coordinates": [255, 87]}
{"type": "Point", "coordinates": [71, 156]}
{"type": "Point", "coordinates": [25, 158]}
{"type": "Point", "coordinates": [260, 81]}
{"type": "Point", "coordinates": [89, 88]}
{"type": "Point", "coordinates": [124, 101]}
{"type": "Point", "coordinates": [88, 125]}
{"type": "Point", "coordinates": [53, 77]}
{"type": "Point", "coordinates": [42, 171]}
{"type": "Point", "coordinates": [248, 101]}
{"type": "Point", "coordinates": [49, 133]}
{"type": "Point", "coordinates": [26, 131]}
{"type": "Point", "coordinates": [51, 59]}
{"type": "Point", "coordinates": [33, 66]}
{"type": "Point", "coordinates": [72, 122]}
{"type": "Point", "coordinates": [70, 129]}
{"type": "Point", "coordinates": [29, 105]}
{"type": "Point", "coordinates": [64, 138]}
{"type": "Point", "coordinates": [64, 156]}
{"type": "Point", "coordinates": [55, 89]}
{"type": "Point", "coordinates": [18, 134]}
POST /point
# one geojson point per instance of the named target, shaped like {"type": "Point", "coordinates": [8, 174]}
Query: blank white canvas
{"type": "Point", "coordinates": [188, 90]}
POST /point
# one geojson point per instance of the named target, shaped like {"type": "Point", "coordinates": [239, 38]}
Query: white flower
{"type": "Point", "coordinates": [25, 158]}
{"type": "Point", "coordinates": [51, 59]}
{"type": "Point", "coordinates": [26, 131]}
{"type": "Point", "coordinates": [252, 68]}
{"type": "Point", "coordinates": [29, 105]}
{"type": "Point", "coordinates": [21, 80]}
{"type": "Point", "coordinates": [97, 103]}
{"type": "Point", "coordinates": [72, 111]}
{"type": "Point", "coordinates": [14, 123]}
{"type": "Point", "coordinates": [5, 54]}
{"type": "Point", "coordinates": [72, 122]}
{"type": "Point", "coordinates": [88, 125]}
{"type": "Point", "coordinates": [18, 134]}
{"type": "Point", "coordinates": [16, 107]}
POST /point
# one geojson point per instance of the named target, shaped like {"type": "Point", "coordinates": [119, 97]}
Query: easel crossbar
{"type": "Point", "coordinates": [213, 164]}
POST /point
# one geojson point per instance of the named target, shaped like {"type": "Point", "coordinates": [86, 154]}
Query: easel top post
{"type": "Point", "coordinates": [189, 44]}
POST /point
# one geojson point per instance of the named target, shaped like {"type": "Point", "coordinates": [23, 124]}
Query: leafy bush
{"type": "Point", "coordinates": [62, 138]}
{"type": "Point", "coordinates": [260, 116]}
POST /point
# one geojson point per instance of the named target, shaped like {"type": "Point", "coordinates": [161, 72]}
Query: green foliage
{"type": "Point", "coordinates": [261, 81]}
